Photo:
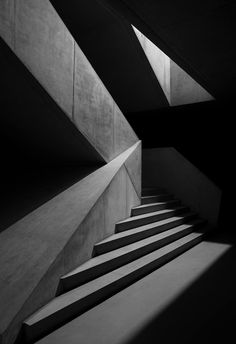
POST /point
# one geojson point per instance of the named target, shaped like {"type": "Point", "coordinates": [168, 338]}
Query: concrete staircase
{"type": "Point", "coordinates": [158, 230]}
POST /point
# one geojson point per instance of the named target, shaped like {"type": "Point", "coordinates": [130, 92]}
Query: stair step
{"type": "Point", "coordinates": [135, 234]}
{"type": "Point", "coordinates": [145, 219]}
{"type": "Point", "coordinates": [148, 208]}
{"type": "Point", "coordinates": [156, 198]}
{"type": "Point", "coordinates": [153, 191]}
{"type": "Point", "coordinates": [122, 315]}
{"type": "Point", "coordinates": [109, 261]}
{"type": "Point", "coordinates": [67, 306]}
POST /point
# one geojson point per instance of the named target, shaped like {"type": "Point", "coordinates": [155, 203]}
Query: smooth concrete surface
{"type": "Point", "coordinates": [115, 202]}
{"type": "Point", "coordinates": [111, 207]}
{"type": "Point", "coordinates": [149, 208]}
{"type": "Point", "coordinates": [159, 62]}
{"type": "Point", "coordinates": [72, 303]}
{"type": "Point", "coordinates": [46, 47]}
{"type": "Point", "coordinates": [113, 50]}
{"type": "Point", "coordinates": [144, 219]}
{"type": "Point", "coordinates": [134, 168]}
{"type": "Point", "coordinates": [123, 136]}
{"type": "Point", "coordinates": [177, 85]}
{"type": "Point", "coordinates": [113, 259]}
{"type": "Point", "coordinates": [96, 114]}
{"type": "Point", "coordinates": [34, 130]}
{"type": "Point", "coordinates": [7, 21]}
{"type": "Point", "coordinates": [166, 166]}
{"type": "Point", "coordinates": [117, 266]}
{"type": "Point", "coordinates": [34, 250]}
{"type": "Point", "coordinates": [184, 89]}
{"type": "Point", "coordinates": [80, 247]}
{"type": "Point", "coordinates": [149, 310]}
{"type": "Point", "coordinates": [93, 106]}
{"type": "Point", "coordinates": [132, 235]}
{"type": "Point", "coordinates": [131, 195]}
{"type": "Point", "coordinates": [105, 127]}
{"type": "Point", "coordinates": [157, 198]}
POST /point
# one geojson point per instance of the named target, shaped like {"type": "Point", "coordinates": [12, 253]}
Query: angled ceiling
{"type": "Point", "coordinates": [177, 85]}
{"type": "Point", "coordinates": [198, 35]}
{"type": "Point", "coordinates": [112, 47]}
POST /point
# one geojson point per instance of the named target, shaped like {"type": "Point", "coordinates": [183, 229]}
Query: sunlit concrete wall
{"type": "Point", "coordinates": [159, 62]}
{"type": "Point", "coordinates": [178, 87]}
{"type": "Point", "coordinates": [38, 36]}
{"type": "Point", "coordinates": [184, 89]}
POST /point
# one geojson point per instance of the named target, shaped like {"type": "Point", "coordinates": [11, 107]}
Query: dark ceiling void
{"type": "Point", "coordinates": [202, 132]}
{"type": "Point", "coordinates": [112, 48]}
{"type": "Point", "coordinates": [198, 35]}
{"type": "Point", "coordinates": [25, 188]}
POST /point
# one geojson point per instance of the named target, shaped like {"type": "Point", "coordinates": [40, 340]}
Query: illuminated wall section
{"type": "Point", "coordinates": [178, 87]}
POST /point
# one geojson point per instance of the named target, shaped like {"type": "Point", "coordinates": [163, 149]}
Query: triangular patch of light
{"type": "Point", "coordinates": [178, 87]}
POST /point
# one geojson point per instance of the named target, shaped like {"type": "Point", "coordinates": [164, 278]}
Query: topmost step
{"type": "Point", "coordinates": [153, 191]}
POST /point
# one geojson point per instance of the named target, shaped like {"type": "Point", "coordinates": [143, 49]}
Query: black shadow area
{"type": "Point", "coordinates": [23, 190]}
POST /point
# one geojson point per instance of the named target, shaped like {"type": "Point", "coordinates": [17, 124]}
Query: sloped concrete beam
{"type": "Point", "coordinates": [134, 168]}
{"type": "Point", "coordinates": [7, 21]}
{"type": "Point", "coordinates": [42, 242]}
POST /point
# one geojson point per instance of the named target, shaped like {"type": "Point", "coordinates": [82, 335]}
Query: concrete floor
{"type": "Point", "coordinates": [190, 299]}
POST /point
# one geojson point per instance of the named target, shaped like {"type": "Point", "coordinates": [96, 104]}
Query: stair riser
{"type": "Point", "coordinates": [153, 192]}
{"type": "Point", "coordinates": [49, 324]}
{"type": "Point", "coordinates": [159, 198]}
{"type": "Point", "coordinates": [112, 245]}
{"type": "Point", "coordinates": [152, 208]}
{"type": "Point", "coordinates": [74, 281]}
{"type": "Point", "coordinates": [120, 227]}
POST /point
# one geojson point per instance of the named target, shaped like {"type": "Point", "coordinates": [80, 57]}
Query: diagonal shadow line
{"type": "Point", "coordinates": [197, 308]}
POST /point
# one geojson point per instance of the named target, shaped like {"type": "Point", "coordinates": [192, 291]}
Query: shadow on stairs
{"type": "Point", "coordinates": [158, 231]}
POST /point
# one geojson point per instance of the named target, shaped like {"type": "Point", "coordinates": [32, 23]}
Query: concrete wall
{"type": "Point", "coordinates": [166, 167]}
{"type": "Point", "coordinates": [178, 86]}
{"type": "Point", "coordinates": [37, 35]}
{"type": "Point", "coordinates": [159, 62]}
{"type": "Point", "coordinates": [60, 235]}
{"type": "Point", "coordinates": [7, 21]}
{"type": "Point", "coordinates": [184, 89]}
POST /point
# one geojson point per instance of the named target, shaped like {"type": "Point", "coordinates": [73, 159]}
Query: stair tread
{"type": "Point", "coordinates": [81, 292]}
{"type": "Point", "coordinates": [143, 206]}
{"type": "Point", "coordinates": [142, 216]}
{"type": "Point", "coordinates": [153, 188]}
{"type": "Point", "coordinates": [143, 228]}
{"type": "Point", "coordinates": [157, 195]}
{"type": "Point", "coordinates": [128, 311]}
{"type": "Point", "coordinates": [156, 198]}
{"type": "Point", "coordinates": [124, 250]}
